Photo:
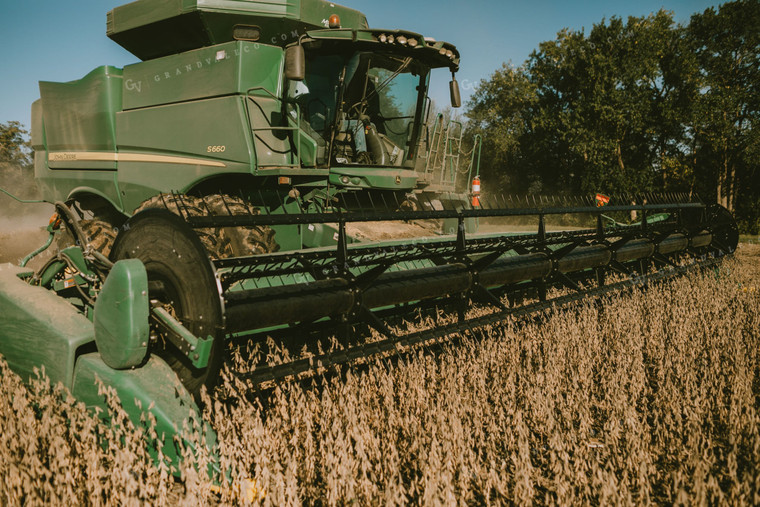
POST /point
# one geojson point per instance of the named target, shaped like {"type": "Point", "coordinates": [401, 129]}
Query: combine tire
{"type": "Point", "coordinates": [241, 241]}
{"type": "Point", "coordinates": [221, 242]}
{"type": "Point", "coordinates": [100, 234]}
{"type": "Point", "coordinates": [176, 258]}
{"type": "Point", "coordinates": [194, 206]}
{"type": "Point", "coordinates": [181, 279]}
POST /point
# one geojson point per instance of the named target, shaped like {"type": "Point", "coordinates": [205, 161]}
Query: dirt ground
{"type": "Point", "coordinates": [380, 231]}
{"type": "Point", "coordinates": [383, 231]}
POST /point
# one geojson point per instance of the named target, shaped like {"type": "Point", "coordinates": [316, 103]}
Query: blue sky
{"type": "Point", "coordinates": [51, 40]}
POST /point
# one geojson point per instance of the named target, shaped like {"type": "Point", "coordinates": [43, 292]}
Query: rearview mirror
{"type": "Point", "coordinates": [295, 63]}
{"type": "Point", "coordinates": [456, 97]}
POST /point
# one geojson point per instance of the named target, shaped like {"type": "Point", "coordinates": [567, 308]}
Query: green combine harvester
{"type": "Point", "coordinates": [273, 168]}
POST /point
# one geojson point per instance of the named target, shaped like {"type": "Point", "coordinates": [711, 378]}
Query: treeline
{"type": "Point", "coordinates": [643, 105]}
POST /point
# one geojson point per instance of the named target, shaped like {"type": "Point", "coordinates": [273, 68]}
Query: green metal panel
{"type": "Point", "coordinates": [189, 129]}
{"type": "Point", "coordinates": [79, 116]}
{"type": "Point", "coordinates": [364, 177]}
{"type": "Point", "coordinates": [272, 143]}
{"type": "Point", "coordinates": [234, 67]}
{"type": "Point", "coordinates": [187, 134]}
{"type": "Point", "coordinates": [58, 185]}
{"type": "Point", "coordinates": [137, 14]}
{"type": "Point", "coordinates": [155, 28]}
{"type": "Point", "coordinates": [38, 138]}
{"type": "Point", "coordinates": [39, 328]}
{"type": "Point", "coordinates": [153, 387]}
{"type": "Point", "coordinates": [121, 315]}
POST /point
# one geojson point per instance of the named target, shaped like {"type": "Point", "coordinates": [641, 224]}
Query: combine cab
{"type": "Point", "coordinates": [271, 169]}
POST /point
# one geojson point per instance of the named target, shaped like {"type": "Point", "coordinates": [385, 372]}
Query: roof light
{"type": "Point", "coordinates": [450, 53]}
{"type": "Point", "coordinates": [413, 43]}
{"type": "Point", "coordinates": [383, 38]}
{"type": "Point", "coordinates": [334, 21]}
{"type": "Point", "coordinates": [391, 39]}
{"type": "Point", "coordinates": [442, 51]}
{"type": "Point", "coordinates": [401, 40]}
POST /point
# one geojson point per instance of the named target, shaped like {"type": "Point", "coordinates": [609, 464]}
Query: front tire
{"type": "Point", "coordinates": [182, 280]}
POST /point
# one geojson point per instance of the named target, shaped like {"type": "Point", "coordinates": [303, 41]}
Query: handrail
{"type": "Point", "coordinates": [296, 129]}
{"type": "Point", "coordinates": [452, 168]}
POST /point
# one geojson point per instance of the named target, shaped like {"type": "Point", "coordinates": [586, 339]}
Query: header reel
{"type": "Point", "coordinates": [354, 289]}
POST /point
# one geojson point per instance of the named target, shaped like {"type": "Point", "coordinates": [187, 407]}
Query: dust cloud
{"type": "Point", "coordinates": [22, 226]}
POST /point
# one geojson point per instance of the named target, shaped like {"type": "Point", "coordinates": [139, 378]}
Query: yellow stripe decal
{"type": "Point", "coordinates": [93, 156]}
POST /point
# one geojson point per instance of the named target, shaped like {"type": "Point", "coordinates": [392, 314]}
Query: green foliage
{"type": "Point", "coordinates": [638, 105]}
{"type": "Point", "coordinates": [500, 112]}
{"type": "Point", "coordinates": [726, 44]}
{"type": "Point", "coordinates": [14, 145]}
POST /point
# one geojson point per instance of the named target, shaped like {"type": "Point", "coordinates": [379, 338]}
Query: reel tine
{"type": "Point", "coordinates": [183, 205]}
{"type": "Point", "coordinates": [371, 202]}
{"type": "Point", "coordinates": [282, 203]}
{"type": "Point", "coordinates": [429, 202]}
{"type": "Point", "coordinates": [261, 200]}
{"type": "Point", "coordinates": [245, 202]}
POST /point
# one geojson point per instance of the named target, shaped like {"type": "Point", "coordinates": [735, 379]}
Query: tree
{"type": "Point", "coordinates": [726, 44]}
{"type": "Point", "coordinates": [500, 111]}
{"type": "Point", "coordinates": [604, 103]}
{"type": "Point", "coordinates": [585, 113]}
{"type": "Point", "coordinates": [14, 146]}
{"type": "Point", "coordinates": [633, 106]}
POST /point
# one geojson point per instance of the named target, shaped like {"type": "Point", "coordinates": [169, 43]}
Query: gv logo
{"type": "Point", "coordinates": [132, 86]}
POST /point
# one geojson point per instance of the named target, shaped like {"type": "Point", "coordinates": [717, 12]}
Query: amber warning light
{"type": "Point", "coordinates": [476, 191]}
{"type": "Point", "coordinates": [55, 222]}
{"type": "Point", "coordinates": [334, 21]}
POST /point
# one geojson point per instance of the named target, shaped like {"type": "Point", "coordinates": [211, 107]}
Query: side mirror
{"type": "Point", "coordinates": [456, 97]}
{"type": "Point", "coordinates": [295, 63]}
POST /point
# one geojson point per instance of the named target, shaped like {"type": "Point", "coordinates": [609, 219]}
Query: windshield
{"type": "Point", "coordinates": [364, 107]}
